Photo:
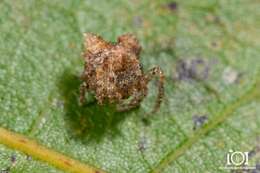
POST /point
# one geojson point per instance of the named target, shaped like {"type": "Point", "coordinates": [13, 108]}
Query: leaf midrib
{"type": "Point", "coordinates": [34, 149]}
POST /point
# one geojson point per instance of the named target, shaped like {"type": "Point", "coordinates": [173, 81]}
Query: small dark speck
{"type": "Point", "coordinates": [172, 6]}
{"type": "Point", "coordinates": [254, 151]}
{"type": "Point", "coordinates": [143, 144]}
{"type": "Point", "coordinates": [29, 158]}
{"type": "Point", "coordinates": [146, 121]}
{"type": "Point", "coordinates": [13, 158]}
{"type": "Point", "coordinates": [214, 44]}
{"type": "Point", "coordinates": [251, 153]}
{"type": "Point", "coordinates": [199, 121]}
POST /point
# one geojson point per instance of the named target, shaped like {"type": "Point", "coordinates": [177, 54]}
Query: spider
{"type": "Point", "coordinates": [114, 74]}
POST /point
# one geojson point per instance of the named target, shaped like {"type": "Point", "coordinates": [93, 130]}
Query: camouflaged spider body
{"type": "Point", "coordinates": [113, 72]}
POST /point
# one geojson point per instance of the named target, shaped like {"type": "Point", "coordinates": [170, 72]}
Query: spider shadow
{"type": "Point", "coordinates": [89, 122]}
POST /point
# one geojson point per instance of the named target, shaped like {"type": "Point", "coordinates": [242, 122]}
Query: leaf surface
{"type": "Point", "coordinates": [208, 50]}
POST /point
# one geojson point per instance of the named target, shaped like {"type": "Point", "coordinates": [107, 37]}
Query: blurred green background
{"type": "Point", "coordinates": [208, 50]}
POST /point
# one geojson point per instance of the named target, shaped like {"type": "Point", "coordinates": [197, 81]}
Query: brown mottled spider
{"type": "Point", "coordinates": [114, 73]}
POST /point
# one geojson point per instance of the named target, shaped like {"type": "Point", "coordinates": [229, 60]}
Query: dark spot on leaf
{"type": "Point", "coordinates": [29, 158]}
{"type": "Point", "coordinates": [254, 151]}
{"type": "Point", "coordinates": [199, 120]}
{"type": "Point", "coordinates": [146, 121]}
{"type": "Point", "coordinates": [13, 158]}
{"type": "Point", "coordinates": [173, 6]}
{"type": "Point", "coordinates": [214, 44]}
{"type": "Point", "coordinates": [196, 68]}
{"type": "Point", "coordinates": [182, 70]}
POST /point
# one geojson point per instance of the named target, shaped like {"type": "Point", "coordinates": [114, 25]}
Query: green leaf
{"type": "Point", "coordinates": [208, 50]}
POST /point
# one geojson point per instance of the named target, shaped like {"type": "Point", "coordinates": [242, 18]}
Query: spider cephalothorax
{"type": "Point", "coordinates": [114, 73]}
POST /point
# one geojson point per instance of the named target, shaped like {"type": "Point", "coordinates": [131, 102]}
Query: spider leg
{"type": "Point", "coordinates": [82, 92]}
{"type": "Point", "coordinates": [157, 72]}
{"type": "Point", "coordinates": [134, 102]}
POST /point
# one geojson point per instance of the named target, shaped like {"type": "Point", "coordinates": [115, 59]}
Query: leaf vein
{"type": "Point", "coordinates": [171, 156]}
